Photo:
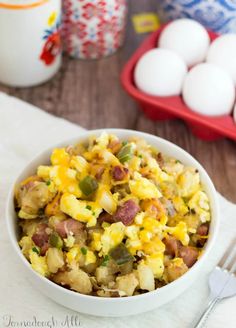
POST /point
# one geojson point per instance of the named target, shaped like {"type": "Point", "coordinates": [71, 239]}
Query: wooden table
{"type": "Point", "coordinates": [89, 93]}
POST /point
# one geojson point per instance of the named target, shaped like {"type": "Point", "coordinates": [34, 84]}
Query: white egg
{"type": "Point", "coordinates": [222, 52]}
{"type": "Point", "coordinates": [209, 90]}
{"type": "Point", "coordinates": [186, 37]}
{"type": "Point", "coordinates": [160, 72]}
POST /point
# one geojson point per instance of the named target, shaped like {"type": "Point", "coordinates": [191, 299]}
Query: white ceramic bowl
{"type": "Point", "coordinates": [131, 305]}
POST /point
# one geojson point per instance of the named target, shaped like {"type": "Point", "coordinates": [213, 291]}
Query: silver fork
{"type": "Point", "coordinates": [222, 283]}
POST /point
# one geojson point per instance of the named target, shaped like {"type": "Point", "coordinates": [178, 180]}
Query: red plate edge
{"type": "Point", "coordinates": [174, 106]}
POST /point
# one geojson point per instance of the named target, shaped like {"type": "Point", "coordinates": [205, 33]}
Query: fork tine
{"type": "Point", "coordinates": [233, 269]}
{"type": "Point", "coordinates": [227, 259]}
{"type": "Point", "coordinates": [232, 265]}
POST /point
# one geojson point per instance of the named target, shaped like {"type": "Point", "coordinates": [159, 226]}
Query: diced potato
{"type": "Point", "coordinates": [127, 283]}
{"type": "Point", "coordinates": [79, 281]}
{"type": "Point", "coordinates": [26, 245]}
{"type": "Point", "coordinates": [38, 263]}
{"type": "Point", "coordinates": [55, 260]}
{"type": "Point", "coordinates": [76, 279]}
{"type": "Point", "coordinates": [29, 226]}
{"type": "Point", "coordinates": [104, 293]}
{"type": "Point", "coordinates": [103, 275]}
{"type": "Point", "coordinates": [146, 277]}
{"type": "Point", "coordinates": [175, 269]}
{"type": "Point", "coordinates": [33, 198]}
{"type": "Point", "coordinates": [24, 215]}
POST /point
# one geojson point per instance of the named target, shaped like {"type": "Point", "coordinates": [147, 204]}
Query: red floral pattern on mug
{"type": "Point", "coordinates": [93, 29]}
{"type": "Point", "coordinates": [92, 49]}
{"type": "Point", "coordinates": [91, 10]}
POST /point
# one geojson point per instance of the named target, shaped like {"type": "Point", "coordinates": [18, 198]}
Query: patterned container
{"type": "Point", "coordinates": [30, 41]}
{"type": "Point", "coordinates": [93, 28]}
{"type": "Point", "coordinates": [217, 15]}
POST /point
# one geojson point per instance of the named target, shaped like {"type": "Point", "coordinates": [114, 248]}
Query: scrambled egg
{"type": "Point", "coordinates": [112, 236]}
{"type": "Point", "coordinates": [143, 188]}
{"type": "Point", "coordinates": [81, 210]}
{"type": "Point", "coordinates": [171, 202]}
{"type": "Point", "coordinates": [75, 255]}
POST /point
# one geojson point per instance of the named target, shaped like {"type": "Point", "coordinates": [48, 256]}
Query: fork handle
{"type": "Point", "coordinates": [201, 321]}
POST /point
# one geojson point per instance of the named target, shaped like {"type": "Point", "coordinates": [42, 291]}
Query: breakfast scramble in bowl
{"type": "Point", "coordinates": [112, 218]}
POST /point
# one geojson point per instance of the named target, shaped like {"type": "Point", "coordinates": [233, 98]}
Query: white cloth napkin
{"type": "Point", "coordinates": [24, 131]}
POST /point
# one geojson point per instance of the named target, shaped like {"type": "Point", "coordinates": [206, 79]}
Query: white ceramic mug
{"type": "Point", "coordinates": [30, 45]}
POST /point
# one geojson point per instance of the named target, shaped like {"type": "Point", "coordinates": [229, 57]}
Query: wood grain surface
{"type": "Point", "coordinates": [89, 93]}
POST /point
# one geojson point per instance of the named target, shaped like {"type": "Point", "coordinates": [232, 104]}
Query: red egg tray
{"type": "Point", "coordinates": [164, 108]}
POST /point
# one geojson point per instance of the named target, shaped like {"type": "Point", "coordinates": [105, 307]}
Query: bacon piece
{"type": "Point", "coordinates": [41, 237]}
{"type": "Point", "coordinates": [29, 182]}
{"type": "Point", "coordinates": [114, 146]}
{"type": "Point", "coordinates": [172, 246]}
{"type": "Point", "coordinates": [160, 160]}
{"type": "Point", "coordinates": [202, 230]}
{"type": "Point", "coordinates": [127, 212]}
{"type": "Point", "coordinates": [44, 249]}
{"type": "Point", "coordinates": [119, 172]}
{"type": "Point", "coordinates": [189, 255]}
{"type": "Point", "coordinates": [99, 172]}
{"type": "Point", "coordinates": [106, 217]}
{"type": "Point", "coordinates": [64, 228]}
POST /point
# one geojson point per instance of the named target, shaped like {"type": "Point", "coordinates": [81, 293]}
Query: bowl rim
{"type": "Point", "coordinates": [83, 136]}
